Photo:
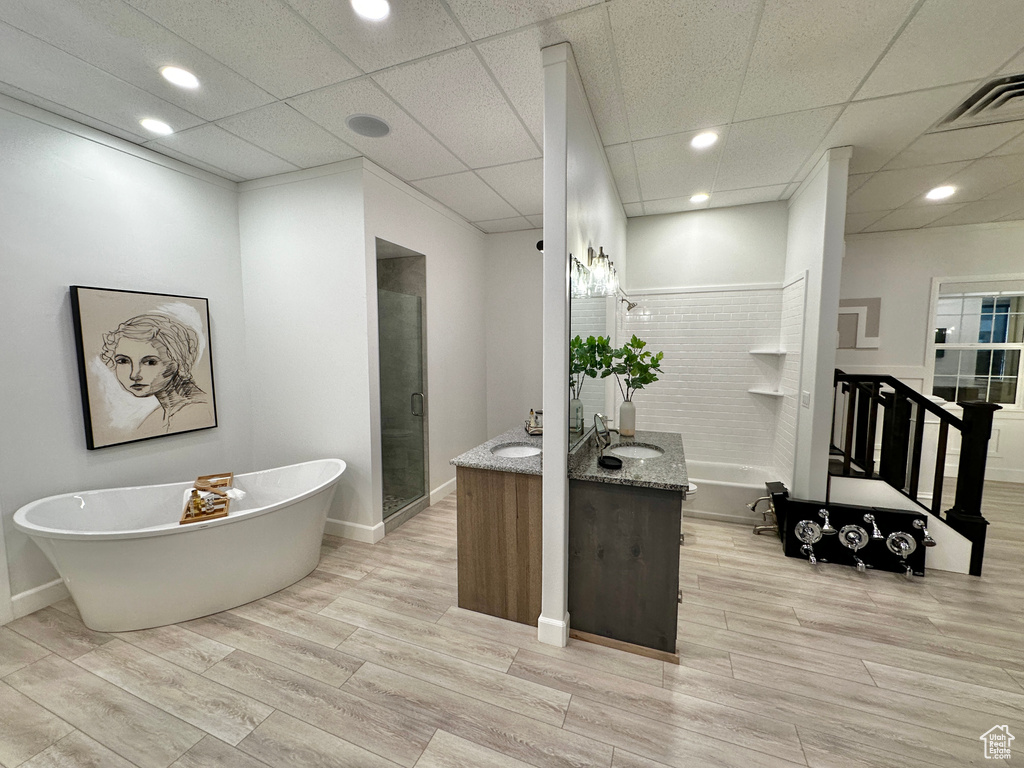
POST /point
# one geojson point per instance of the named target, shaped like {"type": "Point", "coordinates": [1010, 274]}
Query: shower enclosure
{"type": "Point", "coordinates": [401, 319]}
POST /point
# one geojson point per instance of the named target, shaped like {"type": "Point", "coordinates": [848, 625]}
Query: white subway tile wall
{"type": "Point", "coordinates": [791, 337]}
{"type": "Point", "coordinates": [703, 393]}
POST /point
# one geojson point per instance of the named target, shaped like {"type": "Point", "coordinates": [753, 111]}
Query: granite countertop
{"type": "Point", "coordinates": [482, 458]}
{"type": "Point", "coordinates": [666, 472]}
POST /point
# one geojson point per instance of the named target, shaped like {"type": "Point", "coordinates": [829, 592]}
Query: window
{"type": "Point", "coordinates": [979, 338]}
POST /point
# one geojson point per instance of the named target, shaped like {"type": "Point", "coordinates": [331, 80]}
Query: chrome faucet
{"type": "Point", "coordinates": [604, 438]}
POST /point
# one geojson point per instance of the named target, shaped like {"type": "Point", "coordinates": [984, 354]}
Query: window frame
{"type": "Point", "coordinates": [931, 346]}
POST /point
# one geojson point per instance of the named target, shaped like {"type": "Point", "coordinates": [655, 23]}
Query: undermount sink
{"type": "Point", "coordinates": [636, 451]}
{"type": "Point", "coordinates": [515, 451]}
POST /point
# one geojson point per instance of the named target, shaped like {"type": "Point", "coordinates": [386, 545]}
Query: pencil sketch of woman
{"type": "Point", "coordinates": [152, 356]}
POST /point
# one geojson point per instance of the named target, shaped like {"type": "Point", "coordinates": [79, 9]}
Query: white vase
{"type": "Point", "coordinates": [627, 419]}
{"type": "Point", "coordinates": [575, 415]}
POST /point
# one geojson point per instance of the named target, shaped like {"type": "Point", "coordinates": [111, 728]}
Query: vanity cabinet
{"type": "Point", "coordinates": [624, 565]}
{"type": "Point", "coordinates": [499, 543]}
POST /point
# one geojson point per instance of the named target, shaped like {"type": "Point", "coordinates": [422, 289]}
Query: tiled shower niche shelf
{"type": "Point", "coordinates": [768, 392]}
{"type": "Point", "coordinates": [776, 352]}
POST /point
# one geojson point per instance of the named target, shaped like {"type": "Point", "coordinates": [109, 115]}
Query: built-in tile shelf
{"type": "Point", "coordinates": [768, 392]}
{"type": "Point", "coordinates": [777, 352]}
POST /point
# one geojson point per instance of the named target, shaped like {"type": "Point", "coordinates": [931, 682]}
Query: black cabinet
{"type": "Point", "coordinates": [624, 563]}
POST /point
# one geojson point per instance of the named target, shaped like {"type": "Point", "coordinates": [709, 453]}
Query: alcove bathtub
{"type": "Point", "coordinates": [724, 490]}
{"type": "Point", "coordinates": [128, 564]}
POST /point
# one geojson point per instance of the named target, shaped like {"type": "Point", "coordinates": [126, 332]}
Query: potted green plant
{"type": "Point", "coordinates": [584, 362]}
{"type": "Point", "coordinates": [634, 367]}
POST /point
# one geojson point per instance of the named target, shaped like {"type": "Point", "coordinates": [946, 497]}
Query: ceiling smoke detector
{"type": "Point", "coordinates": [997, 101]}
{"type": "Point", "coordinates": [368, 125]}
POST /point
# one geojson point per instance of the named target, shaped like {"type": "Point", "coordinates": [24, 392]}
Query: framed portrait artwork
{"type": "Point", "coordinates": [144, 363]}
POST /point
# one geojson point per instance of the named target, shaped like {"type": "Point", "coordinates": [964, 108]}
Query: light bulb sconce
{"type": "Point", "coordinates": [595, 279]}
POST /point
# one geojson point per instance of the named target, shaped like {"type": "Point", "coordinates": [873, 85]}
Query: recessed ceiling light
{"type": "Point", "coordinates": [700, 197]}
{"type": "Point", "coordinates": [156, 126]}
{"type": "Point", "coordinates": [180, 77]}
{"type": "Point", "coordinates": [704, 140]}
{"type": "Point", "coordinates": [941, 193]}
{"type": "Point", "coordinates": [368, 125]}
{"type": "Point", "coordinates": [374, 10]}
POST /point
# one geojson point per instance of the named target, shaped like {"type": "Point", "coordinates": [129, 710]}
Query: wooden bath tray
{"type": "Point", "coordinates": [216, 484]}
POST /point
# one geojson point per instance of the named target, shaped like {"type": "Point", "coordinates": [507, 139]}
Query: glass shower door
{"type": "Point", "coordinates": [402, 400]}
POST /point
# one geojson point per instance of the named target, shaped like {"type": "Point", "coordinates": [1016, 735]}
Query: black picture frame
{"type": "Point", "coordinates": [145, 364]}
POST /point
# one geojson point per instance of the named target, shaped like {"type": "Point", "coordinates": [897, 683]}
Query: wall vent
{"type": "Point", "coordinates": [997, 101]}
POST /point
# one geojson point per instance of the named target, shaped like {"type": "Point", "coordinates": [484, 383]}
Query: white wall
{"type": "Point", "coordinates": [817, 212]}
{"type": "Point", "coordinates": [717, 246]}
{"type": "Point", "coordinates": [305, 284]}
{"type": "Point", "coordinates": [514, 321]}
{"type": "Point", "coordinates": [80, 207]}
{"type": "Point", "coordinates": [456, 318]}
{"type": "Point", "coordinates": [899, 267]}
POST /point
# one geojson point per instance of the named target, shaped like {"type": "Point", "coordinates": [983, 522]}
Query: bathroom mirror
{"type": "Point", "coordinates": [588, 317]}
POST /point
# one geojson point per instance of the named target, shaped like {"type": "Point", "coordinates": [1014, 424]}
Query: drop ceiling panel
{"type": "Point", "coordinates": [468, 196]}
{"type": "Point", "coordinates": [31, 65]}
{"type": "Point", "coordinates": [473, 119]}
{"type": "Point", "coordinates": [416, 28]}
{"type": "Point", "coordinates": [814, 54]}
{"type": "Point", "coordinates": [536, 221]}
{"type": "Point", "coordinates": [220, 149]}
{"type": "Point", "coordinates": [263, 40]}
{"type": "Point", "coordinates": [964, 144]}
{"type": "Point", "coordinates": [282, 131]}
{"type": "Point", "coordinates": [1012, 192]}
{"type": "Point", "coordinates": [1015, 66]}
{"type": "Point", "coordinates": [620, 159]}
{"type": "Point", "coordinates": [408, 151]}
{"type": "Point", "coordinates": [521, 184]}
{"type": "Point", "coordinates": [672, 205]}
{"type": "Point", "coordinates": [987, 176]}
{"type": "Point", "coordinates": [855, 181]}
{"type": "Point", "coordinates": [188, 159]}
{"type": "Point", "coordinates": [496, 16]}
{"type": "Point", "coordinates": [856, 222]}
{"type": "Point", "coordinates": [878, 129]}
{"type": "Point", "coordinates": [669, 167]}
{"type": "Point", "coordinates": [746, 196]}
{"type": "Point", "coordinates": [128, 44]}
{"type": "Point", "coordinates": [948, 41]}
{"type": "Point", "coordinates": [911, 218]}
{"type": "Point", "coordinates": [980, 212]}
{"type": "Point", "coordinates": [515, 61]}
{"type": "Point", "coordinates": [886, 190]}
{"type": "Point", "coordinates": [60, 109]}
{"type": "Point", "coordinates": [1013, 147]}
{"type": "Point", "coordinates": [494, 226]}
{"type": "Point", "coordinates": [681, 64]}
{"type": "Point", "coordinates": [771, 150]}
{"type": "Point", "coordinates": [633, 209]}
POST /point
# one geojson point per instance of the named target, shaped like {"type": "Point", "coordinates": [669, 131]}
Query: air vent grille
{"type": "Point", "coordinates": [997, 101]}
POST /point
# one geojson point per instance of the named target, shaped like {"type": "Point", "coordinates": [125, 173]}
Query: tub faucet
{"type": "Point", "coordinates": [603, 432]}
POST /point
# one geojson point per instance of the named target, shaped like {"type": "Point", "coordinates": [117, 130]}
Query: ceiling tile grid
{"type": "Point", "coordinates": [461, 85]}
{"type": "Point", "coordinates": [473, 120]}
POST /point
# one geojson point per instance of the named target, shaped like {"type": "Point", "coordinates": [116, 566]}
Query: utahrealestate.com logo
{"type": "Point", "coordinates": [997, 742]}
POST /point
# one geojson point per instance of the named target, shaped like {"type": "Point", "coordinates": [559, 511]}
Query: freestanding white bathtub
{"type": "Point", "coordinates": [724, 490]}
{"type": "Point", "coordinates": [128, 564]}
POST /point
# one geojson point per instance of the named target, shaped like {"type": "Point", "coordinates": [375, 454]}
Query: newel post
{"type": "Point", "coordinates": [965, 516]}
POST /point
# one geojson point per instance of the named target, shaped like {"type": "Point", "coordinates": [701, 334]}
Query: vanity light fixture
{"type": "Point", "coordinates": [158, 127]}
{"type": "Point", "coordinates": [371, 10]}
{"type": "Point", "coordinates": [700, 197]}
{"type": "Point", "coordinates": [704, 140]}
{"type": "Point", "coordinates": [941, 193]}
{"type": "Point", "coordinates": [179, 77]}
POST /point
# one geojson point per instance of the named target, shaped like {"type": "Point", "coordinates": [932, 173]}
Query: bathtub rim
{"type": "Point", "coordinates": [31, 529]}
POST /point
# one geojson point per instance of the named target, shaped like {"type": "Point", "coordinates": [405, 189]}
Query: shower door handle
{"type": "Point", "coordinates": [412, 403]}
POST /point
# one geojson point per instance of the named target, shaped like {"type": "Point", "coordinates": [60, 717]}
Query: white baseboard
{"type": "Point", "coordinates": [1004, 475]}
{"type": "Point", "coordinates": [553, 631]}
{"type": "Point", "coordinates": [368, 534]}
{"type": "Point", "coordinates": [442, 491]}
{"type": "Point", "coordinates": [31, 600]}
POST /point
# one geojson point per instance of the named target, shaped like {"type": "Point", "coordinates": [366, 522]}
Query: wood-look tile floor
{"type": "Point", "coordinates": [368, 662]}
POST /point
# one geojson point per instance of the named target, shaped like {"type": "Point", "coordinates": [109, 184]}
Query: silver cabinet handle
{"type": "Point", "coordinates": [412, 403]}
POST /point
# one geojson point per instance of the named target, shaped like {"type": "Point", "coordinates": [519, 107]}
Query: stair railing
{"type": "Point", "coordinates": [859, 399]}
